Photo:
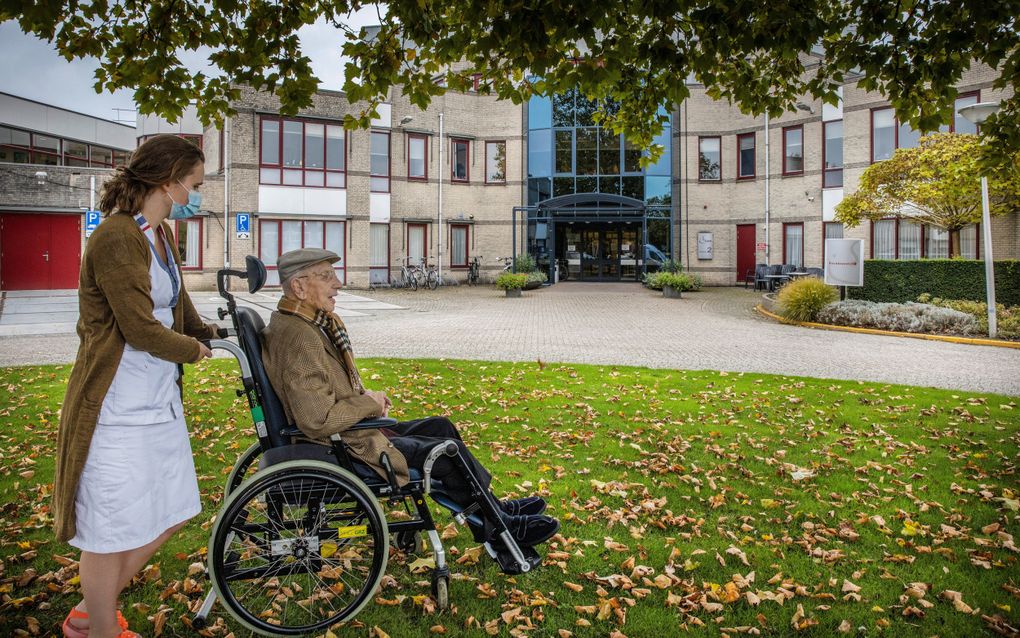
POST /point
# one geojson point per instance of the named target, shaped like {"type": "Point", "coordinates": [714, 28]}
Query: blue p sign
{"type": "Point", "coordinates": [91, 221]}
{"type": "Point", "coordinates": [243, 225]}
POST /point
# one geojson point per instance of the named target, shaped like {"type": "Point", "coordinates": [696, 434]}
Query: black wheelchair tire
{"type": "Point", "coordinates": [263, 480]}
{"type": "Point", "coordinates": [239, 472]}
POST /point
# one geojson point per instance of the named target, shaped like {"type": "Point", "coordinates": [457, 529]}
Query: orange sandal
{"type": "Point", "coordinates": [70, 631]}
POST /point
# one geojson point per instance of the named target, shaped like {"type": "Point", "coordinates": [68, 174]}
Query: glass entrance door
{"type": "Point", "coordinates": [609, 262]}
{"type": "Point", "coordinates": [591, 261]}
{"type": "Point", "coordinates": [598, 252]}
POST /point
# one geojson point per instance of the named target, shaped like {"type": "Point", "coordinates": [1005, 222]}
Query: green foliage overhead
{"type": "Point", "coordinates": [933, 183]}
{"type": "Point", "coordinates": [753, 54]}
{"type": "Point", "coordinates": [902, 281]}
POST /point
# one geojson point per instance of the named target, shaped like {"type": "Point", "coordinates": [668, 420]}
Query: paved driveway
{"type": "Point", "coordinates": [623, 324]}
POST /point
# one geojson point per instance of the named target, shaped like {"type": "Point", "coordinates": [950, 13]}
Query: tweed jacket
{"type": "Point", "coordinates": [310, 378]}
{"type": "Point", "coordinates": [115, 307]}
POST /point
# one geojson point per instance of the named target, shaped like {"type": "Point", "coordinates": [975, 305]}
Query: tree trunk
{"type": "Point", "coordinates": [954, 243]}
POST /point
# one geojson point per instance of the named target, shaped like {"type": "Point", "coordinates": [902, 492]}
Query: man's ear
{"type": "Point", "coordinates": [297, 286]}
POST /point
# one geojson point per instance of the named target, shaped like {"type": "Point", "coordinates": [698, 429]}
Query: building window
{"type": "Point", "coordinates": [793, 150]}
{"type": "Point", "coordinates": [969, 242]}
{"type": "Point", "coordinates": [417, 154]}
{"type": "Point", "coordinates": [76, 153]}
{"type": "Point", "coordinates": [564, 152]}
{"type": "Point", "coordinates": [102, 156]}
{"type": "Point", "coordinates": [417, 244]}
{"type": "Point", "coordinates": [279, 236]}
{"type": "Point", "coordinates": [889, 134]}
{"type": "Point", "coordinates": [459, 157]}
{"type": "Point", "coordinates": [189, 243]}
{"type": "Point", "coordinates": [793, 244]}
{"type": "Point", "coordinates": [15, 146]}
{"type": "Point", "coordinates": [459, 234]}
{"type": "Point", "coordinates": [299, 153]}
{"type": "Point", "coordinates": [832, 154]}
{"type": "Point", "coordinates": [495, 162]}
{"type": "Point", "coordinates": [936, 242]}
{"type": "Point", "coordinates": [379, 253]}
{"type": "Point", "coordinates": [745, 156]}
{"type": "Point", "coordinates": [908, 240]}
{"type": "Point", "coordinates": [380, 168]}
{"type": "Point", "coordinates": [830, 230]}
{"type": "Point", "coordinates": [709, 155]}
{"type": "Point", "coordinates": [883, 239]}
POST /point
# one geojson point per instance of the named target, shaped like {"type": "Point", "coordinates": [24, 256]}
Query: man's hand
{"type": "Point", "coordinates": [380, 398]}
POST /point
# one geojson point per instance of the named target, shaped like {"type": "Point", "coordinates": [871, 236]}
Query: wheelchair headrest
{"type": "Point", "coordinates": [256, 273]}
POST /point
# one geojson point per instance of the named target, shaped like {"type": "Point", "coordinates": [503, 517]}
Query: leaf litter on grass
{"type": "Point", "coordinates": [705, 502]}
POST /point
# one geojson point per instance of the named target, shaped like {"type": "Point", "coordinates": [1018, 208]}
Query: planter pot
{"type": "Point", "coordinates": [513, 292]}
{"type": "Point", "coordinates": [670, 293]}
{"type": "Point", "coordinates": [533, 285]}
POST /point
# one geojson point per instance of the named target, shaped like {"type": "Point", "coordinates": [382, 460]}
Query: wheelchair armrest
{"type": "Point", "coordinates": [374, 423]}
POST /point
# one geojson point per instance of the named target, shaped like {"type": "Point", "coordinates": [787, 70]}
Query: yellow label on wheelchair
{"type": "Point", "coordinates": [351, 531]}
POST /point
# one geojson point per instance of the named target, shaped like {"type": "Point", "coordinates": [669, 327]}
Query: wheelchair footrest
{"type": "Point", "coordinates": [507, 563]}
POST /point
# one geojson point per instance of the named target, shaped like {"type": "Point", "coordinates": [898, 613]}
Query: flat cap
{"type": "Point", "coordinates": [292, 262]}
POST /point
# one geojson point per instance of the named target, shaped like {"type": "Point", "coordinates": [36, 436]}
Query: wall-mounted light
{"type": "Point", "coordinates": [806, 107]}
{"type": "Point", "coordinates": [407, 119]}
{"type": "Point", "coordinates": [40, 177]}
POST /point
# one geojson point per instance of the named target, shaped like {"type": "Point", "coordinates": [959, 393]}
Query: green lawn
{"type": "Point", "coordinates": [713, 502]}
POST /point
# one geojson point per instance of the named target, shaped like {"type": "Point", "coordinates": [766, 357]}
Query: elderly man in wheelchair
{"type": "Point", "coordinates": [302, 543]}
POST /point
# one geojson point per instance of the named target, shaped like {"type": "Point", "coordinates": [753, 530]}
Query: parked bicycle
{"type": "Point", "coordinates": [431, 276]}
{"type": "Point", "coordinates": [474, 270]}
{"type": "Point", "coordinates": [407, 275]}
{"type": "Point", "coordinates": [508, 263]}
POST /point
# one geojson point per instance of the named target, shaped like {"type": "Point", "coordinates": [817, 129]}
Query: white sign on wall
{"type": "Point", "coordinates": [704, 245]}
{"type": "Point", "coordinates": [844, 262]}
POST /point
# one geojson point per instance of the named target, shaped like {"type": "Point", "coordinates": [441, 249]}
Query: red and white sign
{"type": "Point", "coordinates": [762, 246]}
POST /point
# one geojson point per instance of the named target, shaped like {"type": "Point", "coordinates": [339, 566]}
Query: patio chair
{"type": "Point", "coordinates": [755, 276]}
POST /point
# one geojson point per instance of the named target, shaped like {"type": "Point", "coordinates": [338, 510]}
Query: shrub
{"type": "Point", "coordinates": [901, 281]}
{"type": "Point", "coordinates": [537, 276]}
{"type": "Point", "coordinates": [908, 317]}
{"type": "Point", "coordinates": [681, 281]}
{"type": "Point", "coordinates": [671, 265]}
{"type": "Point", "coordinates": [524, 263]}
{"type": "Point", "coordinates": [1008, 318]}
{"type": "Point", "coordinates": [511, 281]}
{"type": "Point", "coordinates": [801, 300]}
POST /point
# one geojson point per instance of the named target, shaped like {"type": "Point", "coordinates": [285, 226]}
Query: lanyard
{"type": "Point", "coordinates": [169, 268]}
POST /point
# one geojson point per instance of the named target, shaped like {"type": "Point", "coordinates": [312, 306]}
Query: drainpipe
{"type": "Point", "coordinates": [768, 246]}
{"type": "Point", "coordinates": [439, 230]}
{"type": "Point", "coordinates": [92, 192]}
{"type": "Point", "coordinates": [226, 194]}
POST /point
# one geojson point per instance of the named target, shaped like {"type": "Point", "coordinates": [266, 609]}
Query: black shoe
{"type": "Point", "coordinates": [528, 506]}
{"type": "Point", "coordinates": [528, 531]}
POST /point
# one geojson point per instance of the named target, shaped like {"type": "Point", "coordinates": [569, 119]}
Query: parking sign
{"type": "Point", "coordinates": [243, 225]}
{"type": "Point", "coordinates": [91, 221]}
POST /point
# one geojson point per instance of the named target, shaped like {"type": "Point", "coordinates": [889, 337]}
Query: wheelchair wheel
{"type": "Point", "coordinates": [441, 588]}
{"type": "Point", "coordinates": [298, 547]}
{"type": "Point", "coordinates": [246, 466]}
{"type": "Point", "coordinates": [408, 542]}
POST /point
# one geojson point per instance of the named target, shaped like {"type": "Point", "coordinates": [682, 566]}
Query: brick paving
{"type": "Point", "coordinates": [624, 324]}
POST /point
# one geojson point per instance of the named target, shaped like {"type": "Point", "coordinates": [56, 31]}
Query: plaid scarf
{"type": "Point", "coordinates": [333, 328]}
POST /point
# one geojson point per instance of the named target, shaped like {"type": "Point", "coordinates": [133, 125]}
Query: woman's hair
{"type": "Point", "coordinates": [159, 160]}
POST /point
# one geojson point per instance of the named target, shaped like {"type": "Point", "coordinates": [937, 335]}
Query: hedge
{"type": "Point", "coordinates": [902, 281]}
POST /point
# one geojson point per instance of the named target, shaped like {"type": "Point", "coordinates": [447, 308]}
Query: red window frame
{"type": "Point", "coordinates": [389, 251]}
{"type": "Point", "coordinates": [424, 242]}
{"type": "Point", "coordinates": [425, 158]}
{"type": "Point", "coordinates": [803, 242]}
{"type": "Point", "coordinates": [454, 143]}
{"type": "Point", "coordinates": [896, 121]}
{"type": "Point", "coordinates": [499, 181]}
{"type": "Point", "coordinates": [824, 236]}
{"type": "Point", "coordinates": [304, 171]}
{"type": "Point", "coordinates": [467, 245]}
{"type": "Point", "coordinates": [389, 162]}
{"type": "Point", "coordinates": [826, 170]}
{"type": "Point", "coordinates": [201, 232]}
{"type": "Point", "coordinates": [754, 153]}
{"type": "Point", "coordinates": [924, 236]}
{"type": "Point", "coordinates": [790, 129]}
{"type": "Point", "coordinates": [709, 179]}
{"type": "Point", "coordinates": [279, 238]}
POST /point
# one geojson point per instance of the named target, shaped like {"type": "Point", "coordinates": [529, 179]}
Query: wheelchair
{"type": "Point", "coordinates": [301, 541]}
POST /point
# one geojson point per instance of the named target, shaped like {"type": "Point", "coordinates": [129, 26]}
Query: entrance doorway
{"type": "Point", "coordinates": [599, 251]}
{"type": "Point", "coordinates": [745, 250]}
{"type": "Point", "coordinates": [39, 251]}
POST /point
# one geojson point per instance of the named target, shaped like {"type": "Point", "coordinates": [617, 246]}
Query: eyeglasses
{"type": "Point", "coordinates": [326, 277]}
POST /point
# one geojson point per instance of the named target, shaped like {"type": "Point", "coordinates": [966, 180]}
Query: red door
{"type": "Point", "coordinates": [39, 252]}
{"type": "Point", "coordinates": [745, 250]}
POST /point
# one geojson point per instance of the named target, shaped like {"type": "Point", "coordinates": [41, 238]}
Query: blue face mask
{"type": "Point", "coordinates": [179, 211]}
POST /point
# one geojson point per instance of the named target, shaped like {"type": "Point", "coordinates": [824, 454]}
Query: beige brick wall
{"type": "Point", "coordinates": [719, 206]}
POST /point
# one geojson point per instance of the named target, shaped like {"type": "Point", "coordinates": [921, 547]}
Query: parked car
{"type": "Point", "coordinates": [654, 258]}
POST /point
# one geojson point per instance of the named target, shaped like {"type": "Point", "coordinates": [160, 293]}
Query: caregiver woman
{"type": "Point", "coordinates": [125, 478]}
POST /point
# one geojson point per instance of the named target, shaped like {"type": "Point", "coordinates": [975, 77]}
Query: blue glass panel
{"type": "Point", "coordinates": [540, 153]}
{"type": "Point", "coordinates": [657, 190]}
{"type": "Point", "coordinates": [665, 165]}
{"type": "Point", "coordinates": [539, 189]}
{"type": "Point", "coordinates": [539, 112]}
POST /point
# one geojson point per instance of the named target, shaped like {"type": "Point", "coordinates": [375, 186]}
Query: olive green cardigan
{"type": "Point", "coordinates": [115, 307]}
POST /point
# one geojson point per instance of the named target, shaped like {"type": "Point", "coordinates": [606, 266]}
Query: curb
{"type": "Point", "coordinates": [997, 343]}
